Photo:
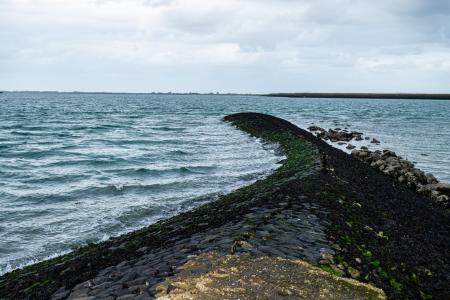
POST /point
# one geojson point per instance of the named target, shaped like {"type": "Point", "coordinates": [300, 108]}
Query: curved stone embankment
{"type": "Point", "coordinates": [321, 205]}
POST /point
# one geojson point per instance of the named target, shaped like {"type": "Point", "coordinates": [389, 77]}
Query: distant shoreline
{"type": "Point", "coordinates": [403, 96]}
{"type": "Point", "coordinates": [364, 95]}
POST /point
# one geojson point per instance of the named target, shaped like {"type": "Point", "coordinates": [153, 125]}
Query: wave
{"type": "Point", "coordinates": [52, 178]}
{"type": "Point", "coordinates": [95, 162]}
{"type": "Point", "coordinates": [135, 189]}
{"type": "Point", "coordinates": [93, 192]}
{"type": "Point", "coordinates": [137, 213]}
{"type": "Point", "coordinates": [35, 154]}
{"type": "Point", "coordinates": [179, 152]}
{"type": "Point", "coordinates": [168, 128]}
{"type": "Point", "coordinates": [29, 133]}
{"type": "Point", "coordinates": [142, 172]}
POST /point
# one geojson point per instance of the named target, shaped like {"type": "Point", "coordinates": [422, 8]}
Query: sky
{"type": "Point", "coordinates": [245, 46]}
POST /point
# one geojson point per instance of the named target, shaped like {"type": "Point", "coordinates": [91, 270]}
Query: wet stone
{"type": "Point", "coordinates": [61, 294]}
{"type": "Point", "coordinates": [137, 289]}
{"type": "Point", "coordinates": [144, 296]}
{"type": "Point", "coordinates": [126, 297]}
{"type": "Point", "coordinates": [137, 281]}
{"type": "Point", "coordinates": [78, 293]}
{"type": "Point", "coordinates": [102, 286]}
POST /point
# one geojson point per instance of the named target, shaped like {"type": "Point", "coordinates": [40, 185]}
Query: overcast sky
{"type": "Point", "coordinates": [227, 46]}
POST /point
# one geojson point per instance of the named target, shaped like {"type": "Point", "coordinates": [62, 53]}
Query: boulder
{"type": "Point", "coordinates": [443, 200]}
{"type": "Point", "coordinates": [355, 152]}
{"type": "Point", "coordinates": [387, 153]}
{"type": "Point", "coordinates": [440, 188]}
{"type": "Point", "coordinates": [315, 128]}
{"type": "Point", "coordinates": [443, 187]}
{"type": "Point", "coordinates": [430, 178]}
{"type": "Point", "coordinates": [363, 154]}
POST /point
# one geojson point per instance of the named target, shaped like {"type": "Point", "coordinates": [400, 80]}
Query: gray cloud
{"type": "Point", "coordinates": [243, 46]}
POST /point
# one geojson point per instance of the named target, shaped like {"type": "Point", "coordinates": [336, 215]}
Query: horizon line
{"type": "Point", "coordinates": [365, 95]}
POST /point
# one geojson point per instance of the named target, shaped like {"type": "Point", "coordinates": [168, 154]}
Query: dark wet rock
{"type": "Point", "coordinates": [405, 172]}
{"type": "Point", "coordinates": [61, 294]}
{"type": "Point", "coordinates": [315, 128]}
{"type": "Point", "coordinates": [375, 141]}
{"type": "Point", "coordinates": [145, 296]}
{"type": "Point", "coordinates": [442, 187]}
{"type": "Point", "coordinates": [126, 297]}
{"type": "Point", "coordinates": [336, 135]}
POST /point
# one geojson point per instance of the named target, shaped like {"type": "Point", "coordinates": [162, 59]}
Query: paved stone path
{"type": "Point", "coordinates": [245, 277]}
{"type": "Point", "coordinates": [289, 229]}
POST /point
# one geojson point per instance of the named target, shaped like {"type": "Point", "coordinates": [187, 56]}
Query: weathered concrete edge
{"type": "Point", "coordinates": [187, 281]}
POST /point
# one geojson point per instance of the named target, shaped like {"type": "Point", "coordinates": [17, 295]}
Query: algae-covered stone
{"type": "Point", "coordinates": [249, 277]}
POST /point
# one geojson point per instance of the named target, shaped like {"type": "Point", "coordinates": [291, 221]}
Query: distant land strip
{"type": "Point", "coordinates": [363, 95]}
{"type": "Point", "coordinates": [287, 95]}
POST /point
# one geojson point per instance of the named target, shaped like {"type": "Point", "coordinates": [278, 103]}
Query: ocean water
{"type": "Point", "coordinates": [76, 168]}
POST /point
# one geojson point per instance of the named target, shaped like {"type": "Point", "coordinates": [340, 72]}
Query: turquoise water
{"type": "Point", "coordinates": [83, 167]}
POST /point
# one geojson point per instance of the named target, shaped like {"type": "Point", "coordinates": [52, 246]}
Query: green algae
{"type": "Point", "coordinates": [300, 154]}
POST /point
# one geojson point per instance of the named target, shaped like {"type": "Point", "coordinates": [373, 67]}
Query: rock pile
{"type": "Point", "coordinates": [336, 135]}
{"type": "Point", "coordinates": [404, 172]}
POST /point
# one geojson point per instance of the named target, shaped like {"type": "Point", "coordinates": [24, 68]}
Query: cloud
{"type": "Point", "coordinates": [238, 45]}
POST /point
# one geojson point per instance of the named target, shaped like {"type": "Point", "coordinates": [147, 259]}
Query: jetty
{"type": "Point", "coordinates": [325, 224]}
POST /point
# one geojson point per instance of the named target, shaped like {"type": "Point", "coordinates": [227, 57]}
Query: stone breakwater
{"type": "Point", "coordinates": [404, 172]}
{"type": "Point", "coordinates": [389, 163]}
{"type": "Point", "coordinates": [321, 206]}
{"type": "Point", "coordinates": [340, 136]}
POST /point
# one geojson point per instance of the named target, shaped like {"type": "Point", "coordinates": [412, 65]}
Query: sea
{"type": "Point", "coordinates": [78, 168]}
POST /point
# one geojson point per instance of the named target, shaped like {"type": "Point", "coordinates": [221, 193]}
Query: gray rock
{"type": "Point", "coordinates": [443, 200]}
{"type": "Point", "coordinates": [144, 296]}
{"type": "Point", "coordinates": [430, 178]}
{"type": "Point", "coordinates": [61, 294]}
{"type": "Point", "coordinates": [126, 297]}
{"type": "Point", "coordinates": [315, 128]}
{"type": "Point", "coordinates": [443, 187]}
{"type": "Point", "coordinates": [350, 147]}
